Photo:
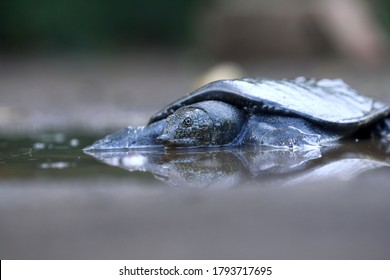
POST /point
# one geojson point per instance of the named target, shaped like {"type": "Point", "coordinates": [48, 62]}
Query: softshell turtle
{"type": "Point", "coordinates": [295, 113]}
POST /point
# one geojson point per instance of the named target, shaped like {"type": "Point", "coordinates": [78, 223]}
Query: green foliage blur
{"type": "Point", "coordinates": [93, 24]}
{"type": "Point", "coordinates": [382, 8]}
{"type": "Point", "coordinates": [102, 24]}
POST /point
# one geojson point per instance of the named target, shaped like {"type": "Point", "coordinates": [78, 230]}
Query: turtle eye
{"type": "Point", "coordinates": [187, 122]}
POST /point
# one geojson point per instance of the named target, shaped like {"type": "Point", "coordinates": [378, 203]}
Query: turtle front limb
{"type": "Point", "coordinates": [290, 137]}
{"type": "Point", "coordinates": [281, 133]}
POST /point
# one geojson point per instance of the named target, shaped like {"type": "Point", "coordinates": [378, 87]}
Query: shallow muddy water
{"type": "Point", "coordinates": [58, 202]}
{"type": "Point", "coordinates": [60, 156]}
{"type": "Point", "coordinates": [49, 156]}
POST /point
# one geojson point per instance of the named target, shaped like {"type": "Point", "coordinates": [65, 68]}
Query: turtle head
{"type": "Point", "coordinates": [207, 123]}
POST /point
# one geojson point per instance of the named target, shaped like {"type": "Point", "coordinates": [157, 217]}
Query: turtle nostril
{"type": "Point", "coordinates": [163, 138]}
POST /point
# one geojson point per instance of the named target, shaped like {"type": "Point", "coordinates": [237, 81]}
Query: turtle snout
{"type": "Point", "coordinates": [163, 138]}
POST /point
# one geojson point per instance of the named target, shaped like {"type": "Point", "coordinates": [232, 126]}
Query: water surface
{"type": "Point", "coordinates": [60, 156]}
{"type": "Point", "coordinates": [58, 202]}
{"type": "Point", "coordinates": [52, 155]}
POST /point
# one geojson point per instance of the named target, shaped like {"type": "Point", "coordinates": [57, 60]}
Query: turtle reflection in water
{"type": "Point", "coordinates": [285, 114]}
{"type": "Point", "coordinates": [226, 168]}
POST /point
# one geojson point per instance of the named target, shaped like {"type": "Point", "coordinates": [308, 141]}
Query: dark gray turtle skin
{"type": "Point", "coordinates": [294, 114]}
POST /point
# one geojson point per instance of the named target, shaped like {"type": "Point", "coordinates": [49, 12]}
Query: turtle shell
{"type": "Point", "coordinates": [331, 103]}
